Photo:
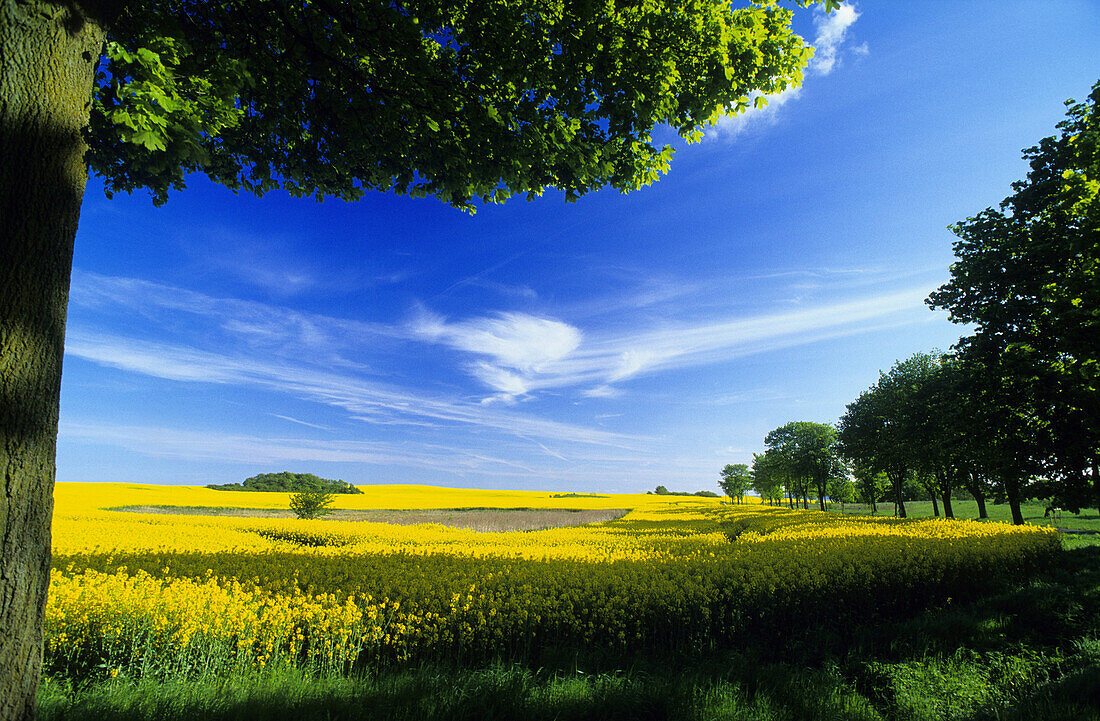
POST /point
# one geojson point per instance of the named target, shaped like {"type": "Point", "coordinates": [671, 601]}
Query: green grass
{"type": "Point", "coordinates": [503, 692]}
{"type": "Point", "coordinates": [1087, 519]}
{"type": "Point", "coordinates": [1030, 653]}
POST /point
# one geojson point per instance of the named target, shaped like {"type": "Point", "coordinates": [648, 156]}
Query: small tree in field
{"type": "Point", "coordinates": [311, 504]}
{"type": "Point", "coordinates": [736, 479]}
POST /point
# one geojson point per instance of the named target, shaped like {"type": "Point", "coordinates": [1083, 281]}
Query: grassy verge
{"type": "Point", "coordinates": [1034, 513]}
{"type": "Point", "coordinates": [1032, 652]}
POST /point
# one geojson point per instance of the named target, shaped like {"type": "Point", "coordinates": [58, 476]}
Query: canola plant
{"type": "Point", "coordinates": [195, 595]}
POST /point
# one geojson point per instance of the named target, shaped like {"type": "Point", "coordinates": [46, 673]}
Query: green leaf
{"type": "Point", "coordinates": [149, 139]}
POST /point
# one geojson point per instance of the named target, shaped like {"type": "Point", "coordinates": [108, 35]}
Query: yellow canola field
{"type": "Point", "coordinates": [175, 594]}
{"type": "Point", "coordinates": [83, 522]}
{"type": "Point", "coordinates": [82, 497]}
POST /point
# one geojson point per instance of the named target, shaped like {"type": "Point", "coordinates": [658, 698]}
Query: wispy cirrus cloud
{"type": "Point", "coordinates": [528, 360]}
{"type": "Point", "coordinates": [361, 398]}
{"type": "Point", "coordinates": [514, 346]}
{"type": "Point", "coordinates": [607, 468]}
{"type": "Point", "coordinates": [241, 324]}
{"type": "Point", "coordinates": [239, 448]}
{"type": "Point", "coordinates": [511, 355]}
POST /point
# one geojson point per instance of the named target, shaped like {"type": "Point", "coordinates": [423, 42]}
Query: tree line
{"type": "Point", "coordinates": [1012, 412]}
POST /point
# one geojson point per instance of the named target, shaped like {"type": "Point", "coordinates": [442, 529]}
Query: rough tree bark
{"type": "Point", "coordinates": [48, 55]}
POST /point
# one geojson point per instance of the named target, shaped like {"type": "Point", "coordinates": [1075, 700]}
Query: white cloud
{"type": "Point", "coordinates": [509, 384]}
{"type": "Point", "coordinates": [517, 345]}
{"type": "Point", "coordinates": [604, 391]}
{"type": "Point", "coordinates": [600, 360]}
{"type": "Point", "coordinates": [512, 340]}
{"type": "Point", "coordinates": [631, 361]}
{"type": "Point", "coordinates": [236, 448]}
{"type": "Point", "coordinates": [832, 29]}
{"type": "Point", "coordinates": [361, 398]}
{"type": "Point", "coordinates": [303, 423]}
{"type": "Point", "coordinates": [606, 469]}
{"type": "Point", "coordinates": [240, 323]}
{"type": "Point", "coordinates": [515, 355]}
{"type": "Point", "coordinates": [734, 125]}
{"type": "Point", "coordinates": [622, 357]}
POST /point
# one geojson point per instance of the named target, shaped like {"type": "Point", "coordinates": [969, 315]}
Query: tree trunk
{"type": "Point", "coordinates": [48, 55]}
{"type": "Point", "coordinates": [982, 513]}
{"type": "Point", "coordinates": [975, 488]}
{"type": "Point", "coordinates": [897, 480]}
{"type": "Point", "coordinates": [946, 480]}
{"type": "Point", "coordinates": [1012, 490]}
{"type": "Point", "coordinates": [1096, 481]}
{"type": "Point", "coordinates": [935, 505]}
{"type": "Point", "coordinates": [948, 511]}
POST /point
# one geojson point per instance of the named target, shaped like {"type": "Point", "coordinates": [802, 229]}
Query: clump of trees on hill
{"type": "Point", "coordinates": [287, 482]}
{"type": "Point", "coordinates": [662, 491]}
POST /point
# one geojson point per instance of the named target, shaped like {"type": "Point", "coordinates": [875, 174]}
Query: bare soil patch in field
{"type": "Point", "coordinates": [476, 519]}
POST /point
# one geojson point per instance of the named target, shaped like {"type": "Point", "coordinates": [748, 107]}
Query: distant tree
{"type": "Point", "coordinates": [817, 455]}
{"type": "Point", "coordinates": [870, 486]}
{"type": "Point", "coordinates": [287, 482]}
{"type": "Point", "coordinates": [943, 424]}
{"type": "Point", "coordinates": [882, 429]}
{"type": "Point", "coordinates": [841, 489]}
{"type": "Point", "coordinates": [767, 479]}
{"type": "Point", "coordinates": [736, 478]}
{"type": "Point", "coordinates": [311, 504]}
{"type": "Point", "coordinates": [1010, 434]}
{"type": "Point", "coordinates": [661, 491]}
{"type": "Point", "coordinates": [809, 453]}
{"type": "Point", "coordinates": [782, 450]}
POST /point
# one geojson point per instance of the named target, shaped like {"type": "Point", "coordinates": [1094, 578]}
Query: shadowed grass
{"type": "Point", "coordinates": [1034, 513]}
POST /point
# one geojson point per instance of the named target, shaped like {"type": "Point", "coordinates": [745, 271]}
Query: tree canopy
{"type": "Point", "coordinates": [736, 478]}
{"type": "Point", "coordinates": [767, 476]}
{"type": "Point", "coordinates": [1028, 278]}
{"type": "Point", "coordinates": [287, 482]}
{"type": "Point", "coordinates": [456, 100]}
{"type": "Point", "coordinates": [805, 453]}
{"type": "Point", "coordinates": [881, 430]}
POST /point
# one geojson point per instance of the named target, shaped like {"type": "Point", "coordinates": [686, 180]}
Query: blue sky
{"type": "Point", "coordinates": [612, 344]}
